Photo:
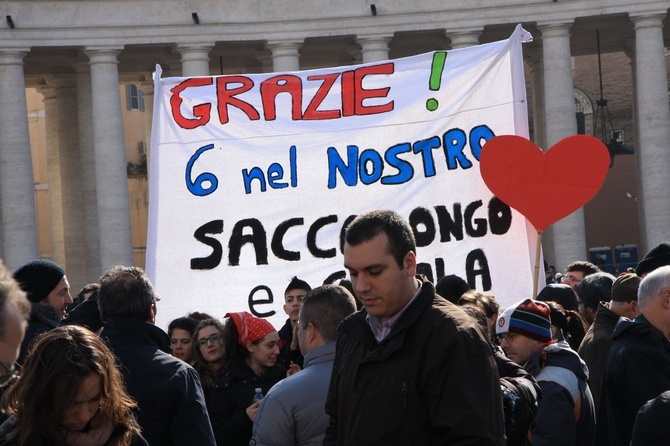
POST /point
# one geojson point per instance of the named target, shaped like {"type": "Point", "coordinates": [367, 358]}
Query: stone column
{"type": "Point", "coordinates": [194, 59]}
{"type": "Point", "coordinates": [53, 174]}
{"type": "Point", "coordinates": [110, 159]}
{"type": "Point", "coordinates": [70, 179]}
{"type": "Point", "coordinates": [464, 38]}
{"type": "Point", "coordinates": [91, 230]}
{"type": "Point", "coordinates": [560, 122]}
{"type": "Point", "coordinates": [285, 55]}
{"type": "Point", "coordinates": [17, 194]}
{"type": "Point", "coordinates": [374, 48]}
{"type": "Point", "coordinates": [651, 87]}
{"type": "Point", "coordinates": [534, 61]}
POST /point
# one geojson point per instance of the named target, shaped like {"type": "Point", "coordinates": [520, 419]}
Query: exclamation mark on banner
{"type": "Point", "coordinates": [436, 78]}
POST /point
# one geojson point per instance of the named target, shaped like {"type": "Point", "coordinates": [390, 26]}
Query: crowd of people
{"type": "Point", "coordinates": [387, 358]}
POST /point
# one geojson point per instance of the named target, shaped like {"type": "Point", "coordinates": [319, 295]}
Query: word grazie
{"type": "Point", "coordinates": [230, 92]}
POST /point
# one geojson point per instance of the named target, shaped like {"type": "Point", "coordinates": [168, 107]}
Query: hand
{"type": "Point", "coordinates": [295, 345]}
{"type": "Point", "coordinates": [292, 369]}
{"type": "Point", "coordinates": [99, 430]}
{"type": "Point", "coordinates": [251, 410]}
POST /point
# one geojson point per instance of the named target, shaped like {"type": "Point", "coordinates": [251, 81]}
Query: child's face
{"type": "Point", "coordinates": [293, 303]}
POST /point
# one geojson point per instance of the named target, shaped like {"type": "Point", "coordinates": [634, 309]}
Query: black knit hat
{"type": "Point", "coordinates": [38, 278]}
{"type": "Point", "coordinates": [658, 256]}
{"type": "Point", "coordinates": [595, 288]}
{"type": "Point", "coordinates": [561, 294]}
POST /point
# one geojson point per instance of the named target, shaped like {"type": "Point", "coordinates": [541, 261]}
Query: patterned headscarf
{"type": "Point", "coordinates": [249, 327]}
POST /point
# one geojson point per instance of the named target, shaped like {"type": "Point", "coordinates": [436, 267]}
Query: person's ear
{"type": "Point", "coordinates": [409, 263]}
{"type": "Point", "coordinates": [250, 346]}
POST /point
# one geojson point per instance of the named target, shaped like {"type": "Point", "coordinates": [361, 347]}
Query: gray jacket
{"type": "Point", "coordinates": [293, 411]}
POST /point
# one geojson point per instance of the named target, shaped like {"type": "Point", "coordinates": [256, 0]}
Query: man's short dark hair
{"type": "Point", "coordinates": [11, 294]}
{"type": "Point", "coordinates": [595, 288]}
{"type": "Point", "coordinates": [452, 287]}
{"type": "Point", "coordinates": [582, 266]}
{"type": "Point", "coordinates": [325, 307]}
{"type": "Point", "coordinates": [371, 223]}
{"type": "Point", "coordinates": [126, 292]}
{"type": "Point", "coordinates": [297, 284]}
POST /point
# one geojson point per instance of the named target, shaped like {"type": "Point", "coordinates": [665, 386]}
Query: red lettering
{"type": "Point", "coordinates": [348, 94]}
{"type": "Point", "coordinates": [271, 87]}
{"type": "Point", "coordinates": [226, 97]}
{"type": "Point", "coordinates": [200, 111]}
{"type": "Point", "coordinates": [362, 94]}
{"type": "Point", "coordinates": [311, 112]}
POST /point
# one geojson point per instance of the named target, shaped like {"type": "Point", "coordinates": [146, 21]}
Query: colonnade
{"type": "Point", "coordinates": [90, 226]}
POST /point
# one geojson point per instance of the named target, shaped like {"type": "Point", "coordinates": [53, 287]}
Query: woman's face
{"type": "Point", "coordinates": [180, 343]}
{"type": "Point", "coordinates": [86, 403]}
{"type": "Point", "coordinates": [210, 343]}
{"type": "Point", "coordinates": [265, 352]}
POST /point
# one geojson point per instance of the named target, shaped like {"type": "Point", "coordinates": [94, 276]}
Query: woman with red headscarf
{"type": "Point", "coordinates": [252, 347]}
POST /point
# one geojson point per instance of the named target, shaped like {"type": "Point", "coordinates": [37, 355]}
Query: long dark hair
{"type": "Point", "coordinates": [207, 373]}
{"type": "Point", "coordinates": [56, 366]}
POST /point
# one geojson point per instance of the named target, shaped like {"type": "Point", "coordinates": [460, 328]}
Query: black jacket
{"type": "Point", "coordinates": [431, 381]}
{"type": "Point", "coordinates": [171, 404]}
{"type": "Point", "coordinates": [232, 393]}
{"type": "Point", "coordinates": [286, 355]}
{"type": "Point", "coordinates": [638, 369]}
{"type": "Point", "coordinates": [595, 348]}
{"type": "Point", "coordinates": [42, 318]}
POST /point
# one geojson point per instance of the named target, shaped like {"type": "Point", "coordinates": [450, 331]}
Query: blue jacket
{"type": "Point", "coordinates": [293, 412]}
{"type": "Point", "coordinates": [566, 415]}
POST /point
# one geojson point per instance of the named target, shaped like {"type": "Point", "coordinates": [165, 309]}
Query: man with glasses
{"type": "Point", "coordinates": [169, 396]}
{"type": "Point", "coordinates": [576, 271]}
{"type": "Point", "coordinates": [595, 288]}
{"type": "Point", "coordinates": [566, 413]}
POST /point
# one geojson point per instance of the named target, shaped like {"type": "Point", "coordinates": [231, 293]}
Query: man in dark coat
{"type": "Point", "coordinates": [48, 291]}
{"type": "Point", "coordinates": [169, 396]}
{"type": "Point", "coordinates": [638, 366]}
{"type": "Point", "coordinates": [411, 367]}
{"type": "Point", "coordinates": [595, 346]}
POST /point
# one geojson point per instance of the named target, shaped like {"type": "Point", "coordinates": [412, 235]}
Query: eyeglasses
{"type": "Point", "coordinates": [570, 279]}
{"type": "Point", "coordinates": [8, 376]}
{"type": "Point", "coordinates": [213, 339]}
{"type": "Point", "coordinates": [507, 337]}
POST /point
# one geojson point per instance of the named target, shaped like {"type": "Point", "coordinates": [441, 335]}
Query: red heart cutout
{"type": "Point", "coordinates": [544, 187]}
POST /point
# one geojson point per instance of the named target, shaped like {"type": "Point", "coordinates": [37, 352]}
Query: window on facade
{"type": "Point", "coordinates": [581, 121]}
{"type": "Point", "coordinates": [134, 97]}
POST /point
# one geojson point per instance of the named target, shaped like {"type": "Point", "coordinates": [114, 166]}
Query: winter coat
{"type": "Point", "coordinates": [595, 348]}
{"type": "Point", "coordinates": [233, 392]}
{"type": "Point", "coordinates": [8, 426]}
{"type": "Point", "coordinates": [170, 400]}
{"type": "Point", "coordinates": [431, 381]}
{"type": "Point", "coordinates": [286, 355]}
{"type": "Point", "coordinates": [521, 397]}
{"type": "Point", "coordinates": [638, 369]}
{"type": "Point", "coordinates": [651, 425]}
{"type": "Point", "coordinates": [42, 318]}
{"type": "Point", "coordinates": [293, 412]}
{"type": "Point", "coordinates": [566, 415]}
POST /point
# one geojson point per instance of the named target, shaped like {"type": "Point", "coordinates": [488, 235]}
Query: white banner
{"type": "Point", "coordinates": [253, 177]}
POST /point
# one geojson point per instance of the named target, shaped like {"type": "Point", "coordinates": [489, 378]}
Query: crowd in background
{"type": "Point", "coordinates": [385, 358]}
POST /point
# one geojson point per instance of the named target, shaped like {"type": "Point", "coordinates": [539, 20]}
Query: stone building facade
{"type": "Point", "coordinates": [77, 53]}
